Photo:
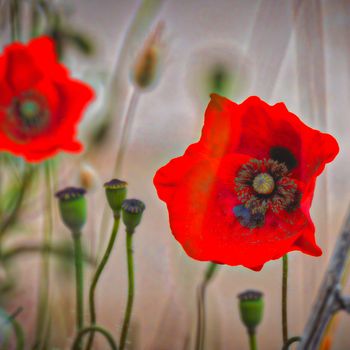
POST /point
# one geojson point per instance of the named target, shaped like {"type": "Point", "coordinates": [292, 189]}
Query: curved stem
{"type": "Point", "coordinates": [290, 342]}
{"type": "Point", "coordinates": [131, 288]}
{"type": "Point", "coordinates": [61, 252]}
{"type": "Point", "coordinates": [284, 298]}
{"type": "Point", "coordinates": [252, 341]}
{"type": "Point", "coordinates": [79, 280]}
{"type": "Point", "coordinates": [201, 312]}
{"type": "Point", "coordinates": [76, 345]}
{"type": "Point", "coordinates": [98, 274]}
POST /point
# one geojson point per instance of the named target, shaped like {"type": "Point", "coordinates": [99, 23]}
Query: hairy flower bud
{"type": "Point", "coordinates": [147, 65]}
{"type": "Point", "coordinates": [73, 208]}
{"type": "Point", "coordinates": [88, 177]}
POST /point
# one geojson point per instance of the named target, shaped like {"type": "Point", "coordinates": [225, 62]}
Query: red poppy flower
{"type": "Point", "coordinates": [40, 105]}
{"type": "Point", "coordinates": [242, 194]}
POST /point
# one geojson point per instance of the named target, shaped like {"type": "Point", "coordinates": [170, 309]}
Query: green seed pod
{"type": "Point", "coordinates": [73, 208]}
{"type": "Point", "coordinates": [116, 194]}
{"type": "Point", "coordinates": [251, 307]}
{"type": "Point", "coordinates": [132, 210]}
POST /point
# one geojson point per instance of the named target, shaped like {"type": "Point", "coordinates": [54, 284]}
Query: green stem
{"type": "Point", "coordinates": [25, 181]}
{"type": "Point", "coordinates": [97, 275]}
{"type": "Point", "coordinates": [19, 334]}
{"type": "Point", "coordinates": [125, 134]}
{"type": "Point", "coordinates": [61, 252]}
{"type": "Point", "coordinates": [201, 312]}
{"type": "Point", "coordinates": [79, 278]}
{"type": "Point", "coordinates": [131, 288]}
{"type": "Point", "coordinates": [35, 18]}
{"type": "Point", "coordinates": [17, 328]}
{"type": "Point", "coordinates": [43, 297]}
{"type": "Point", "coordinates": [284, 298]}
{"type": "Point", "coordinates": [15, 19]}
{"type": "Point", "coordinates": [76, 345]}
{"type": "Point", "coordinates": [252, 341]}
{"type": "Point", "coordinates": [199, 328]}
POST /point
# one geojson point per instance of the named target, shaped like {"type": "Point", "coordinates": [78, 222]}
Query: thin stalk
{"type": "Point", "coordinates": [35, 18]}
{"type": "Point", "coordinates": [127, 127]}
{"type": "Point", "coordinates": [131, 290]}
{"type": "Point", "coordinates": [19, 334]}
{"type": "Point", "coordinates": [201, 315]}
{"type": "Point", "coordinates": [44, 288]}
{"type": "Point", "coordinates": [17, 328]}
{"type": "Point", "coordinates": [15, 19]}
{"type": "Point", "coordinates": [252, 341]}
{"type": "Point", "coordinates": [97, 275]}
{"type": "Point", "coordinates": [290, 341]}
{"type": "Point", "coordinates": [284, 298]}
{"type": "Point", "coordinates": [79, 279]}
{"type": "Point", "coordinates": [60, 252]}
{"type": "Point", "coordinates": [201, 307]}
{"type": "Point", "coordinates": [125, 135]}
{"type": "Point", "coordinates": [76, 345]}
{"type": "Point", "coordinates": [11, 219]}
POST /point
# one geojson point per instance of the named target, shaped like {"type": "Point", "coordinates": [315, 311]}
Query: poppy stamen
{"type": "Point", "coordinates": [263, 185]}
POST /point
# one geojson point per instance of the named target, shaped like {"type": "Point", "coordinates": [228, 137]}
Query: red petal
{"type": "Point", "coordinates": [43, 53]}
{"type": "Point", "coordinates": [201, 203]}
{"type": "Point", "coordinates": [6, 94]}
{"type": "Point", "coordinates": [219, 132]}
{"type": "Point", "coordinates": [168, 177]}
{"type": "Point", "coordinates": [315, 150]}
{"type": "Point", "coordinates": [199, 187]}
{"type": "Point", "coordinates": [306, 243]}
{"type": "Point", "coordinates": [42, 50]}
{"type": "Point", "coordinates": [21, 70]}
{"type": "Point", "coordinates": [254, 127]}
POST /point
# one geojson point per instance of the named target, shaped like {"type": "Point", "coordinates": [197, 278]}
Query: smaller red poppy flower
{"type": "Point", "coordinates": [241, 195]}
{"type": "Point", "coordinates": [40, 105]}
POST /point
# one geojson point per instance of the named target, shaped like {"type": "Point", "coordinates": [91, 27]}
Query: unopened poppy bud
{"type": "Point", "coordinates": [73, 208]}
{"type": "Point", "coordinates": [88, 177]}
{"type": "Point", "coordinates": [147, 65]}
{"type": "Point", "coordinates": [132, 210]}
{"type": "Point", "coordinates": [116, 194]}
{"type": "Point", "coordinates": [251, 307]}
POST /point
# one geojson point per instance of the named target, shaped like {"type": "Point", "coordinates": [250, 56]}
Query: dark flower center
{"type": "Point", "coordinates": [29, 109]}
{"type": "Point", "coordinates": [263, 185]}
{"type": "Point", "coordinates": [27, 116]}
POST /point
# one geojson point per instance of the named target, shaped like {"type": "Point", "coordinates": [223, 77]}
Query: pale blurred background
{"type": "Point", "coordinates": [293, 51]}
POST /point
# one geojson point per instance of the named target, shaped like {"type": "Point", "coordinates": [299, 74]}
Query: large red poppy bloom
{"type": "Point", "coordinates": [242, 194]}
{"type": "Point", "coordinates": [40, 105]}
